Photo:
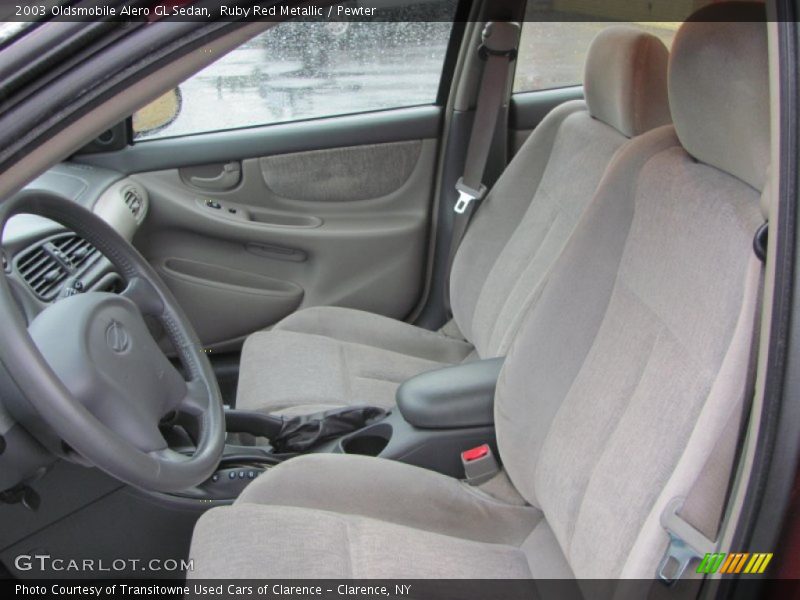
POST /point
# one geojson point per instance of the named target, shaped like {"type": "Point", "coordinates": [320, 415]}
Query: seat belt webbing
{"type": "Point", "coordinates": [498, 50]}
{"type": "Point", "coordinates": [704, 506]}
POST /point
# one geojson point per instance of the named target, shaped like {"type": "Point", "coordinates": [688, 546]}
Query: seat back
{"type": "Point", "coordinates": [523, 224]}
{"type": "Point", "coordinates": [624, 373]}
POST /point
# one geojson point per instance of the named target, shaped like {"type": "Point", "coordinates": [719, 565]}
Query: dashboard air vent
{"type": "Point", "coordinates": [74, 250]}
{"type": "Point", "coordinates": [42, 272]}
{"type": "Point", "coordinates": [45, 266]}
{"type": "Point", "coordinates": [133, 200]}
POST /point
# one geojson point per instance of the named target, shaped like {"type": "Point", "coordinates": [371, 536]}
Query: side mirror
{"type": "Point", "coordinates": [157, 115]}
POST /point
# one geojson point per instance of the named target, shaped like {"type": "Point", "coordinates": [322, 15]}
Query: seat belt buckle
{"type": "Point", "coordinates": [467, 195]}
{"type": "Point", "coordinates": [685, 544]}
{"type": "Point", "coordinates": [480, 465]}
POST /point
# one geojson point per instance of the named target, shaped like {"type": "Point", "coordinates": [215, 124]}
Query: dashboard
{"type": "Point", "coordinates": [45, 262]}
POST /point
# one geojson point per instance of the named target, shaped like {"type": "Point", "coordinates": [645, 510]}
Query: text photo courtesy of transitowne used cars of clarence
{"type": "Point", "coordinates": [417, 299]}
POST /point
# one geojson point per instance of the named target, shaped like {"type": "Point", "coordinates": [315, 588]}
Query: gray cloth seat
{"type": "Point", "coordinates": [439, 526]}
{"type": "Point", "coordinates": [324, 357]}
{"type": "Point", "coordinates": [648, 313]}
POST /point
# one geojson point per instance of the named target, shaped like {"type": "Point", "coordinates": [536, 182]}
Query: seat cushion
{"type": "Point", "coordinates": [302, 520]}
{"type": "Point", "coordinates": [393, 492]}
{"type": "Point", "coordinates": [370, 329]}
{"type": "Point", "coordinates": [326, 357]}
{"type": "Point", "coordinates": [252, 541]}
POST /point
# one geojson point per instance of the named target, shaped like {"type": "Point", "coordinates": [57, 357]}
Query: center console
{"type": "Point", "coordinates": [439, 414]}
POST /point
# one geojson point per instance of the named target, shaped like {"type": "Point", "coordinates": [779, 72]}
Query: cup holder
{"type": "Point", "coordinates": [368, 442]}
{"type": "Point", "coordinates": [368, 445]}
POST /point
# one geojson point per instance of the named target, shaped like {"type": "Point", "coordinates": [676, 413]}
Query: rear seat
{"type": "Point", "coordinates": [327, 357]}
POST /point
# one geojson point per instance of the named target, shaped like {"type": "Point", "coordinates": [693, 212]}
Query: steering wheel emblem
{"type": "Point", "coordinates": [117, 337]}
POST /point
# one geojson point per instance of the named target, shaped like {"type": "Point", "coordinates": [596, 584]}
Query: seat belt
{"type": "Point", "coordinates": [498, 50]}
{"type": "Point", "coordinates": [694, 522]}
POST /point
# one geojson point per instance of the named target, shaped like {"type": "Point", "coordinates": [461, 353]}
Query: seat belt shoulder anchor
{"type": "Point", "coordinates": [484, 52]}
{"type": "Point", "coordinates": [467, 195]}
{"type": "Point", "coordinates": [499, 38]}
{"type": "Point", "coordinates": [685, 543]}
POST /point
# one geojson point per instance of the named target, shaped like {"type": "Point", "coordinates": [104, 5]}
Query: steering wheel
{"type": "Point", "coordinates": [95, 376]}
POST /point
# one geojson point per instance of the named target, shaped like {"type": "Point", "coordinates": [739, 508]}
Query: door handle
{"type": "Point", "coordinates": [227, 179]}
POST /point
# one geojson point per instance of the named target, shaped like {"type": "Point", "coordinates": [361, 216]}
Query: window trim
{"type": "Point", "coordinates": [264, 126]}
{"type": "Point", "coordinates": [400, 124]}
{"type": "Point", "coordinates": [457, 33]}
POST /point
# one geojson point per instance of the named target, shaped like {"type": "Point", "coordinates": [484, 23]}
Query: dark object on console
{"type": "Point", "coordinates": [451, 398]}
{"type": "Point", "coordinates": [252, 422]}
{"type": "Point", "coordinates": [300, 434]}
{"type": "Point", "coordinates": [303, 433]}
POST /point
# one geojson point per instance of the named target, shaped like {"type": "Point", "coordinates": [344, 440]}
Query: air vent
{"type": "Point", "coordinates": [42, 272]}
{"type": "Point", "coordinates": [74, 251]}
{"type": "Point", "coordinates": [46, 266]}
{"type": "Point", "coordinates": [133, 200]}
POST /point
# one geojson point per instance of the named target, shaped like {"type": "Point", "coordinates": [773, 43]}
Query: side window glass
{"type": "Point", "coordinates": [308, 69]}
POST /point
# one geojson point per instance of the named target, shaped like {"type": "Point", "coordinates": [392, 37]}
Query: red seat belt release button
{"type": "Point", "coordinates": [475, 453]}
{"type": "Point", "coordinates": [480, 465]}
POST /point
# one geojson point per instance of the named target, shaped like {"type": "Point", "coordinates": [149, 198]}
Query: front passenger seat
{"type": "Point", "coordinates": [326, 357]}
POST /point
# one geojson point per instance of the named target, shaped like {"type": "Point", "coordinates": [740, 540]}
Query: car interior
{"type": "Point", "coordinates": [497, 307]}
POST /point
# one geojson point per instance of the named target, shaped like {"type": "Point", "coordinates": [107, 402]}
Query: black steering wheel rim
{"type": "Point", "coordinates": [162, 469]}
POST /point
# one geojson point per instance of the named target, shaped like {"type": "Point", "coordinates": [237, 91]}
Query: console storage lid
{"type": "Point", "coordinates": [455, 397]}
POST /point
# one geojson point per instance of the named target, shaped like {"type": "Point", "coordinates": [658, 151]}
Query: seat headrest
{"type": "Point", "coordinates": [719, 89]}
{"type": "Point", "coordinates": [625, 82]}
